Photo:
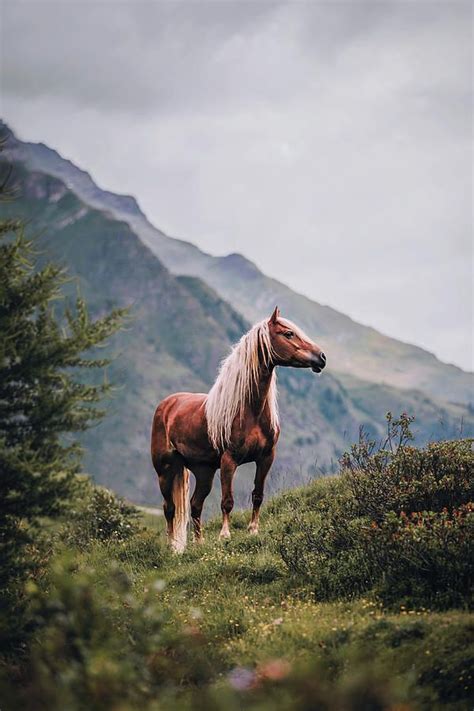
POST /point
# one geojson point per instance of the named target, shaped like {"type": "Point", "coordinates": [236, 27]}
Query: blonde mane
{"type": "Point", "coordinates": [237, 381]}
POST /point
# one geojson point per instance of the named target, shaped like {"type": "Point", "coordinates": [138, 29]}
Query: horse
{"type": "Point", "coordinates": [235, 423]}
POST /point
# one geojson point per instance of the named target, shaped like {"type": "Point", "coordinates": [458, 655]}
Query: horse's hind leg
{"type": "Point", "coordinates": [165, 479]}
{"type": "Point", "coordinates": [204, 478]}
{"type": "Point", "coordinates": [172, 477]}
{"type": "Point", "coordinates": [173, 480]}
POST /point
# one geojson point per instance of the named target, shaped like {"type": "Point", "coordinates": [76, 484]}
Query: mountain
{"type": "Point", "coordinates": [180, 327]}
{"type": "Point", "coordinates": [352, 348]}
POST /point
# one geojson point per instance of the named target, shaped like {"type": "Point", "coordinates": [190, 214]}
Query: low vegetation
{"type": "Point", "coordinates": [355, 596]}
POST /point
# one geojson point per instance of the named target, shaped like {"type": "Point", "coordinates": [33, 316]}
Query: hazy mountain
{"type": "Point", "coordinates": [352, 348]}
{"type": "Point", "coordinates": [181, 328]}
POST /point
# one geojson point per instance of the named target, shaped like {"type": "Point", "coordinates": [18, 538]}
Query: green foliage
{"type": "Point", "coordinates": [398, 477]}
{"type": "Point", "coordinates": [42, 399]}
{"type": "Point", "coordinates": [142, 551]}
{"type": "Point", "coordinates": [384, 664]}
{"type": "Point", "coordinates": [111, 632]}
{"type": "Point", "coordinates": [97, 514]}
{"type": "Point", "coordinates": [421, 560]}
{"type": "Point", "coordinates": [426, 558]}
{"type": "Point", "coordinates": [120, 622]}
{"type": "Point", "coordinates": [105, 648]}
{"type": "Point", "coordinates": [403, 526]}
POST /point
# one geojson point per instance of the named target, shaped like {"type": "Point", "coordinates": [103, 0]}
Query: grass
{"type": "Point", "coordinates": [253, 615]}
{"type": "Point", "coordinates": [122, 623]}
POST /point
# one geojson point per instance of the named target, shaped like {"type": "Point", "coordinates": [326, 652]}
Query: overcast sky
{"type": "Point", "coordinates": [328, 142]}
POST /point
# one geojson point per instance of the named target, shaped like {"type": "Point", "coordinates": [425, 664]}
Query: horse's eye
{"type": "Point", "coordinates": [289, 334]}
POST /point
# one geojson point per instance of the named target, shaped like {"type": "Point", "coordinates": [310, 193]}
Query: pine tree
{"type": "Point", "coordinates": [44, 397]}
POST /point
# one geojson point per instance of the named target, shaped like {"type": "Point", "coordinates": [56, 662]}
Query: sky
{"type": "Point", "coordinates": [329, 142]}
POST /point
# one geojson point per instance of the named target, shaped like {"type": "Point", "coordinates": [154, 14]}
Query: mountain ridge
{"type": "Point", "coordinates": [352, 347]}
{"type": "Point", "coordinates": [181, 329]}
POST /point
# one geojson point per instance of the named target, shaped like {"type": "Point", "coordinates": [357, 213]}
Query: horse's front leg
{"type": "Point", "coordinates": [263, 467]}
{"type": "Point", "coordinates": [228, 467]}
{"type": "Point", "coordinates": [204, 478]}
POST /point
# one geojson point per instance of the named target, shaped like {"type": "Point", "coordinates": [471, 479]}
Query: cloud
{"type": "Point", "coordinates": [132, 57]}
{"type": "Point", "coordinates": [175, 56]}
{"type": "Point", "coordinates": [329, 142]}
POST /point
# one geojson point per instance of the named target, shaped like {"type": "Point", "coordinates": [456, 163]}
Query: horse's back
{"type": "Point", "coordinates": [177, 404]}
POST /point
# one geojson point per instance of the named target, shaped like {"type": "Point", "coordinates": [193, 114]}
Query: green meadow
{"type": "Point", "coordinates": [356, 595]}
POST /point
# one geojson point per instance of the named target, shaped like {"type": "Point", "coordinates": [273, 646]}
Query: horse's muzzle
{"type": "Point", "coordinates": [318, 362]}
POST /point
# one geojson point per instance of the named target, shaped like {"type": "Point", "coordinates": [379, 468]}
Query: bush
{"type": "Point", "coordinates": [331, 555]}
{"type": "Point", "coordinates": [426, 558]}
{"type": "Point", "coordinates": [398, 477]}
{"type": "Point", "coordinates": [403, 530]}
{"type": "Point", "coordinates": [421, 560]}
{"type": "Point", "coordinates": [106, 648]}
{"type": "Point", "coordinates": [97, 514]}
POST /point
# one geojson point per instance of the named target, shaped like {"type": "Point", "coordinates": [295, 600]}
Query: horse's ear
{"type": "Point", "coordinates": [275, 314]}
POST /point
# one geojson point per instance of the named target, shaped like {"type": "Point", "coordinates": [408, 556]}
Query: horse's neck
{"type": "Point", "coordinates": [259, 397]}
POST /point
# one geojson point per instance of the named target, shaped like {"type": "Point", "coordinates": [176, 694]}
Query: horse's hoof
{"type": "Point", "coordinates": [224, 535]}
{"type": "Point", "coordinates": [177, 547]}
{"type": "Point", "coordinates": [253, 530]}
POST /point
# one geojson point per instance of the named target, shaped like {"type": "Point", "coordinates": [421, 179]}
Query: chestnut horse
{"type": "Point", "coordinates": [235, 423]}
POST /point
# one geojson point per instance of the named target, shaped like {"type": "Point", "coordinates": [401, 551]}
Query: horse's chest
{"type": "Point", "coordinates": [255, 443]}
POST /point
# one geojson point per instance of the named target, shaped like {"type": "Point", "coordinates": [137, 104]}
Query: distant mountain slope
{"type": "Point", "coordinates": [352, 348]}
{"type": "Point", "coordinates": [179, 331]}
{"type": "Point", "coordinates": [172, 341]}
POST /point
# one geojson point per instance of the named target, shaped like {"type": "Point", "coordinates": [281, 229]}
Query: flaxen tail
{"type": "Point", "coordinates": [181, 511]}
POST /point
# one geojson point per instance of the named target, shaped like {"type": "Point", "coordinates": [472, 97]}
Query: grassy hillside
{"type": "Point", "coordinates": [354, 350]}
{"type": "Point", "coordinates": [178, 331]}
{"type": "Point", "coordinates": [356, 596]}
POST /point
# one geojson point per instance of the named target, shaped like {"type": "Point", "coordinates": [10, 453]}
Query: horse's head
{"type": "Point", "coordinates": [292, 347]}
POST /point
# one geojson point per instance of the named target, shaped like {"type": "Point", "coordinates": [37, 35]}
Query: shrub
{"type": "Point", "coordinates": [335, 557]}
{"type": "Point", "coordinates": [421, 560]}
{"type": "Point", "coordinates": [425, 558]}
{"type": "Point", "coordinates": [106, 648]}
{"type": "Point", "coordinates": [98, 514]}
{"type": "Point", "coordinates": [398, 477]}
{"type": "Point", "coordinates": [45, 393]}
{"type": "Point", "coordinates": [402, 528]}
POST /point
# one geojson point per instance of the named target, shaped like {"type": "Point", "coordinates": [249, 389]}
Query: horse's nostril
{"type": "Point", "coordinates": [318, 361]}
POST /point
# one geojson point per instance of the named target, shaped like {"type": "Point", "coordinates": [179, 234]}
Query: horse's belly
{"type": "Point", "coordinates": [187, 431]}
{"type": "Point", "coordinates": [195, 453]}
